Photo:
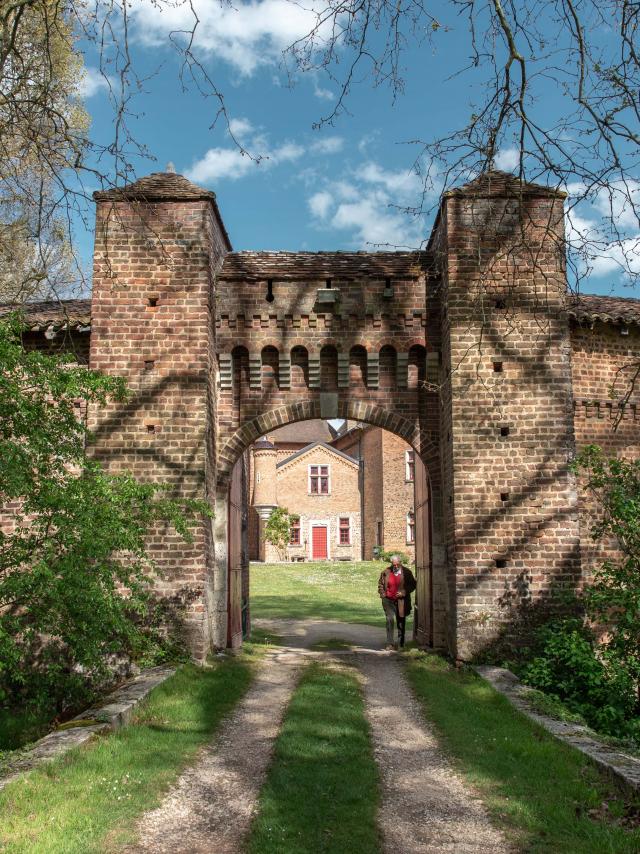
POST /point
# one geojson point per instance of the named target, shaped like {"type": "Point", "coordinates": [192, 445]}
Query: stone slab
{"type": "Point", "coordinates": [623, 766]}
{"type": "Point", "coordinates": [114, 711]}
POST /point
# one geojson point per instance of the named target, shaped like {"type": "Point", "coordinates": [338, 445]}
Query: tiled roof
{"type": "Point", "coordinates": [314, 430]}
{"type": "Point", "coordinates": [163, 187]}
{"type": "Point", "coordinates": [67, 313]}
{"type": "Point", "coordinates": [322, 265]}
{"type": "Point", "coordinates": [313, 445]}
{"type": "Point", "coordinates": [166, 186]}
{"type": "Point", "coordinates": [497, 183]}
{"type": "Point", "coordinates": [590, 307]}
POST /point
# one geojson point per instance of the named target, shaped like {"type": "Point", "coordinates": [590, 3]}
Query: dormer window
{"type": "Point", "coordinates": [319, 480]}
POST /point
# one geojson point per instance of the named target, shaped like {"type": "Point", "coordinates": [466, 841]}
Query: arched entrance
{"type": "Point", "coordinates": [231, 514]}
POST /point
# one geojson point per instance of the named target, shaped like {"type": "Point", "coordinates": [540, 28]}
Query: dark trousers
{"type": "Point", "coordinates": [390, 607]}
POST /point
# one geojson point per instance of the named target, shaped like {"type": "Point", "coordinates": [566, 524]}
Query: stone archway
{"type": "Point", "coordinates": [430, 566]}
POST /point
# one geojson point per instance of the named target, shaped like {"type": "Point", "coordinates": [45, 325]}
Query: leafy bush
{"type": "Point", "coordinates": [277, 531]}
{"type": "Point", "coordinates": [567, 664]}
{"type": "Point", "coordinates": [74, 591]}
{"type": "Point", "coordinates": [386, 556]}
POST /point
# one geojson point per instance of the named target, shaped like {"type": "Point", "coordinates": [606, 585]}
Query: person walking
{"type": "Point", "coordinates": [395, 586]}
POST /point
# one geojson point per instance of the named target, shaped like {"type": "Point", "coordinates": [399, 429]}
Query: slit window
{"type": "Point", "coordinates": [409, 466]}
{"type": "Point", "coordinates": [411, 527]}
{"type": "Point", "coordinates": [319, 480]}
{"type": "Point", "coordinates": [345, 531]}
{"type": "Point", "coordinates": [294, 532]}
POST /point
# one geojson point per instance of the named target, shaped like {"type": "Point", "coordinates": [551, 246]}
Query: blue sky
{"type": "Point", "coordinates": [340, 187]}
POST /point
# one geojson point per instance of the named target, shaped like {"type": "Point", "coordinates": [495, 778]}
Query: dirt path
{"type": "Point", "coordinates": [425, 807]}
{"type": "Point", "coordinates": [211, 806]}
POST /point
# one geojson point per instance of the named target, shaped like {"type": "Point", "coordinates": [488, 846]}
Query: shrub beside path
{"type": "Point", "coordinates": [425, 806]}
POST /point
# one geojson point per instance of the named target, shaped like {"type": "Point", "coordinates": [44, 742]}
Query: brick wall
{"type": "Point", "coordinates": [604, 361]}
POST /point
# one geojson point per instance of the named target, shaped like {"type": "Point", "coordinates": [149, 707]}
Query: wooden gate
{"type": "Point", "coordinates": [423, 620]}
{"type": "Point", "coordinates": [234, 634]}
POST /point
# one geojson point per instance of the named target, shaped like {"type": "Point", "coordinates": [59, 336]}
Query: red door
{"type": "Point", "coordinates": [319, 542]}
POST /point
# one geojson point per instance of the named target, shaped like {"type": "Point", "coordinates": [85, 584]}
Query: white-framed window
{"type": "Point", "coordinates": [319, 480]}
{"type": "Point", "coordinates": [411, 527]}
{"type": "Point", "coordinates": [409, 466]}
{"type": "Point", "coordinates": [344, 530]}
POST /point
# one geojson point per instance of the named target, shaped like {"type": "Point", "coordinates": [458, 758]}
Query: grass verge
{"type": "Point", "coordinates": [546, 795]}
{"type": "Point", "coordinates": [321, 793]}
{"type": "Point", "coordinates": [88, 800]}
{"type": "Point", "coordinates": [347, 592]}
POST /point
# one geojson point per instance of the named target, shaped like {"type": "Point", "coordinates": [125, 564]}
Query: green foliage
{"type": "Point", "coordinates": [74, 595]}
{"type": "Point", "coordinates": [386, 556]}
{"type": "Point", "coordinates": [613, 599]}
{"type": "Point", "coordinates": [277, 531]}
{"type": "Point", "coordinates": [569, 666]}
{"type": "Point", "coordinates": [591, 661]}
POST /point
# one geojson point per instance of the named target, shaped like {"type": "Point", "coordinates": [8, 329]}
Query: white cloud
{"type": "Point", "coordinates": [323, 94]}
{"type": "Point", "coordinates": [397, 183]}
{"type": "Point", "coordinates": [320, 204]}
{"type": "Point", "coordinates": [247, 35]}
{"type": "Point", "coordinates": [231, 163]}
{"type": "Point", "coordinates": [328, 145]}
{"type": "Point", "coordinates": [366, 204]}
{"type": "Point", "coordinates": [92, 82]}
{"type": "Point", "coordinates": [507, 159]}
{"type": "Point", "coordinates": [240, 128]}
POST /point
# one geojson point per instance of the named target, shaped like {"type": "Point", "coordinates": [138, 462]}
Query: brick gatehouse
{"type": "Point", "coordinates": [471, 351]}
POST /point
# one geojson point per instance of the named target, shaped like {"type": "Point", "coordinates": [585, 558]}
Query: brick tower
{"type": "Point", "coordinates": [510, 502]}
{"type": "Point", "coordinates": [158, 245]}
{"type": "Point", "coordinates": [264, 485]}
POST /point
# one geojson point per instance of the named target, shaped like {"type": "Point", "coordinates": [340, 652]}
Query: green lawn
{"type": "Point", "coordinates": [322, 591]}
{"type": "Point", "coordinates": [88, 800]}
{"type": "Point", "coordinates": [545, 794]}
{"type": "Point", "coordinates": [321, 794]}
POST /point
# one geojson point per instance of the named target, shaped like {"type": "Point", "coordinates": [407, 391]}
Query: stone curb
{"type": "Point", "coordinates": [115, 711]}
{"type": "Point", "coordinates": [624, 767]}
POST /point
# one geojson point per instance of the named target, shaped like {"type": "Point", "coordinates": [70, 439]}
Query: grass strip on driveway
{"type": "Point", "coordinates": [546, 795]}
{"type": "Point", "coordinates": [321, 793]}
{"type": "Point", "coordinates": [89, 799]}
{"type": "Point", "coordinates": [347, 592]}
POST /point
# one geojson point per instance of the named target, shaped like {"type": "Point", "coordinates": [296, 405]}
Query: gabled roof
{"type": "Point", "coordinates": [311, 447]}
{"type": "Point", "coordinates": [313, 430]}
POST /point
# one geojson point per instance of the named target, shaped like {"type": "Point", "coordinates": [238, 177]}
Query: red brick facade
{"type": "Point", "coordinates": [468, 352]}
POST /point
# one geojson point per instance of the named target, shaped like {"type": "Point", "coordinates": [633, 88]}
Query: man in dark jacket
{"type": "Point", "coordinates": [395, 586]}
